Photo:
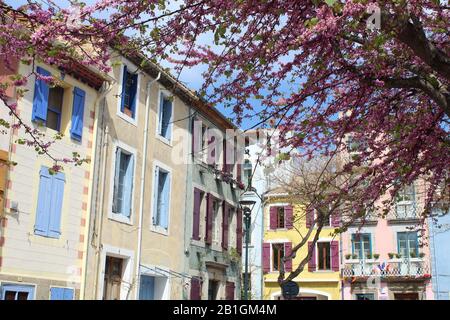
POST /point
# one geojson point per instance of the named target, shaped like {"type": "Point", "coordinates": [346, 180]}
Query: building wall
{"type": "Point", "coordinates": [322, 284]}
{"type": "Point", "coordinates": [33, 259]}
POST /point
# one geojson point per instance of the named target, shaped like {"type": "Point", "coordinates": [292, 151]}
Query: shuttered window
{"type": "Point", "coordinates": [165, 116]}
{"type": "Point", "coordinates": [129, 92]}
{"type": "Point", "coordinates": [123, 183]}
{"type": "Point", "coordinates": [76, 130]}
{"type": "Point", "coordinates": [59, 293]}
{"type": "Point", "coordinates": [161, 198]}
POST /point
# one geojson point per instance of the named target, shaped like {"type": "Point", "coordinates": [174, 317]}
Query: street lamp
{"type": "Point", "coordinates": [247, 203]}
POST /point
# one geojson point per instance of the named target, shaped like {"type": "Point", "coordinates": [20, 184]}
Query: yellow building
{"type": "Point", "coordinates": [285, 223]}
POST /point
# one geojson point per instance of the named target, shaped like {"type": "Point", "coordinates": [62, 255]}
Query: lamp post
{"type": "Point", "coordinates": [247, 204]}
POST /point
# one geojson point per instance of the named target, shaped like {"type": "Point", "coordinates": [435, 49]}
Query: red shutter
{"type": "Point", "coordinates": [287, 252]}
{"type": "Point", "coordinates": [226, 166]}
{"type": "Point", "coordinates": [312, 260]}
{"type": "Point", "coordinates": [229, 291]}
{"type": "Point", "coordinates": [239, 173]}
{"type": "Point", "coordinates": [309, 216]}
{"type": "Point", "coordinates": [273, 218]}
{"type": "Point", "coordinates": [288, 217]}
{"type": "Point", "coordinates": [336, 218]}
{"type": "Point", "coordinates": [239, 231]}
{"type": "Point", "coordinates": [209, 218]}
{"type": "Point", "coordinates": [196, 215]}
{"type": "Point", "coordinates": [225, 226]}
{"type": "Point", "coordinates": [196, 289]}
{"type": "Point", "coordinates": [335, 255]}
{"type": "Point", "coordinates": [266, 257]}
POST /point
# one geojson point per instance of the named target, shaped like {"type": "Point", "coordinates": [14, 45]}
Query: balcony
{"type": "Point", "coordinates": [404, 212]}
{"type": "Point", "coordinates": [395, 268]}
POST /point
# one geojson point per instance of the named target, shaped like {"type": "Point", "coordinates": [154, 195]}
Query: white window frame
{"type": "Point", "coordinates": [119, 113]}
{"type": "Point", "coordinates": [153, 227]}
{"type": "Point", "coordinates": [111, 215]}
{"type": "Point", "coordinates": [166, 93]}
{"type": "Point", "coordinates": [2, 283]}
{"type": "Point", "coordinates": [328, 240]}
{"type": "Point", "coordinates": [407, 203]}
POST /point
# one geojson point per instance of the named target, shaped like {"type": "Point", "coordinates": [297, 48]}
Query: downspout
{"type": "Point", "coordinates": [98, 220]}
{"type": "Point", "coordinates": [141, 200]}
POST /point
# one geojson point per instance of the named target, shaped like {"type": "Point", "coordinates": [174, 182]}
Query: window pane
{"type": "Point", "coordinates": [22, 296]}
{"type": "Point", "coordinates": [10, 295]}
{"type": "Point", "coordinates": [324, 255]}
{"type": "Point", "coordinates": [53, 120]}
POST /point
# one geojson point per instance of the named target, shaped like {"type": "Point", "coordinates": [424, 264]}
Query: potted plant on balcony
{"type": "Point", "coordinates": [413, 255]}
{"type": "Point", "coordinates": [376, 256]}
{"type": "Point", "coordinates": [422, 255]}
{"type": "Point", "coordinates": [369, 256]}
{"type": "Point", "coordinates": [354, 256]}
{"type": "Point", "coordinates": [348, 256]}
{"type": "Point", "coordinates": [398, 255]}
{"type": "Point", "coordinates": [391, 255]}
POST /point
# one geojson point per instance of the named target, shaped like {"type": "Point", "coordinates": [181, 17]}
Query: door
{"type": "Point", "coordinates": [213, 288]}
{"type": "Point", "coordinates": [113, 278]}
{"type": "Point", "coordinates": [147, 288]}
{"type": "Point", "coordinates": [406, 296]}
{"type": "Point", "coordinates": [17, 292]}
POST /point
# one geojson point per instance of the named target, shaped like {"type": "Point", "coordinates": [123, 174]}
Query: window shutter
{"type": "Point", "coordinates": [287, 252]}
{"type": "Point", "coordinates": [196, 215]}
{"type": "Point", "coordinates": [155, 219]}
{"type": "Point", "coordinates": [196, 289]}
{"type": "Point", "coordinates": [312, 260]}
{"type": "Point", "coordinates": [56, 293]}
{"type": "Point", "coordinates": [147, 288]}
{"type": "Point", "coordinates": [336, 218]}
{"type": "Point", "coordinates": [229, 291]}
{"type": "Point", "coordinates": [209, 217]}
{"type": "Point", "coordinates": [288, 217]}
{"type": "Point", "coordinates": [225, 226]}
{"type": "Point", "coordinates": [124, 82]}
{"type": "Point", "coordinates": [167, 119]}
{"type": "Point", "coordinates": [133, 94]}
{"type": "Point", "coordinates": [334, 255]}
{"type": "Point", "coordinates": [309, 216]}
{"type": "Point", "coordinates": [76, 130]}
{"type": "Point", "coordinates": [40, 100]}
{"type": "Point", "coordinates": [128, 189]}
{"type": "Point", "coordinates": [115, 204]}
{"type": "Point", "coordinates": [239, 173]}
{"type": "Point", "coordinates": [273, 217]}
{"type": "Point", "coordinates": [239, 231]}
{"type": "Point", "coordinates": [68, 294]}
{"type": "Point", "coordinates": [266, 257]}
{"type": "Point", "coordinates": [41, 226]}
{"type": "Point", "coordinates": [166, 200]}
{"type": "Point", "coordinates": [57, 195]}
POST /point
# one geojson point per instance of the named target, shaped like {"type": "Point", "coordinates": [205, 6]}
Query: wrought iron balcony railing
{"type": "Point", "coordinates": [393, 268]}
{"type": "Point", "coordinates": [403, 211]}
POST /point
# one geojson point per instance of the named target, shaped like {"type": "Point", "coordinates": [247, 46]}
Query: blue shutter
{"type": "Point", "coordinates": [160, 113]}
{"type": "Point", "coordinates": [56, 293]}
{"type": "Point", "coordinates": [115, 204]}
{"type": "Point", "coordinates": [57, 195]}
{"type": "Point", "coordinates": [128, 188]}
{"type": "Point", "coordinates": [41, 226]}
{"type": "Point", "coordinates": [124, 82]}
{"type": "Point", "coordinates": [40, 100]}
{"type": "Point", "coordinates": [166, 199]}
{"type": "Point", "coordinates": [76, 130]}
{"type": "Point", "coordinates": [68, 294]}
{"type": "Point", "coordinates": [167, 119]}
{"type": "Point", "coordinates": [147, 288]}
{"type": "Point", "coordinates": [133, 93]}
{"type": "Point", "coordinates": [155, 197]}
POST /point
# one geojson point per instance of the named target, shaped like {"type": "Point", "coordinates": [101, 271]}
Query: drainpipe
{"type": "Point", "coordinates": [98, 220]}
{"type": "Point", "coordinates": [141, 200]}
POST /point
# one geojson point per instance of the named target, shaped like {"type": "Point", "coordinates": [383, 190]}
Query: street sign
{"type": "Point", "coordinates": [290, 290]}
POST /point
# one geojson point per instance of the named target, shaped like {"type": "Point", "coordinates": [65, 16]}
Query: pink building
{"type": "Point", "coordinates": [388, 259]}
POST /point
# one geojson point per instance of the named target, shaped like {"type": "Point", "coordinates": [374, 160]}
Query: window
{"type": "Point", "coordinates": [161, 198]}
{"type": "Point", "coordinates": [129, 93]}
{"type": "Point", "coordinates": [408, 244]}
{"type": "Point", "coordinates": [327, 221]}
{"type": "Point", "coordinates": [54, 108]}
{"type": "Point", "coordinates": [365, 296]}
{"type": "Point", "coordinates": [113, 278]}
{"type": "Point", "coordinates": [280, 217]}
{"type": "Point", "coordinates": [152, 287]}
{"type": "Point", "coordinates": [10, 291]}
{"type": "Point", "coordinates": [361, 245]}
{"type": "Point", "coordinates": [123, 183]}
{"type": "Point", "coordinates": [405, 203]}
{"type": "Point", "coordinates": [324, 256]}
{"type": "Point", "coordinates": [277, 254]}
{"type": "Point", "coordinates": [216, 222]}
{"type": "Point", "coordinates": [213, 289]}
{"type": "Point", "coordinates": [248, 172]}
{"type": "Point", "coordinates": [49, 206]}
{"type": "Point", "coordinates": [58, 293]}
{"type": "Point", "coordinates": [165, 116]}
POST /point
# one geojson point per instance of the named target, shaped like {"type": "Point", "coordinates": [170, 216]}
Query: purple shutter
{"type": "Point", "coordinates": [229, 291]}
{"type": "Point", "coordinates": [335, 255]}
{"type": "Point", "coordinates": [273, 218]}
{"type": "Point", "coordinates": [239, 231]}
{"type": "Point", "coordinates": [309, 216]}
{"type": "Point", "coordinates": [312, 259]}
{"type": "Point", "coordinates": [225, 165]}
{"type": "Point", "coordinates": [225, 226]}
{"type": "Point", "coordinates": [288, 217]}
{"type": "Point", "coordinates": [287, 252]}
{"type": "Point", "coordinates": [196, 215]}
{"type": "Point", "coordinates": [196, 289]}
{"type": "Point", "coordinates": [336, 218]}
{"type": "Point", "coordinates": [194, 149]}
{"type": "Point", "coordinates": [209, 218]}
{"type": "Point", "coordinates": [239, 173]}
{"type": "Point", "coordinates": [266, 257]}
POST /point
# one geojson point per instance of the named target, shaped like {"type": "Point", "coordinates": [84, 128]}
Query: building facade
{"type": "Point", "coordinates": [44, 217]}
